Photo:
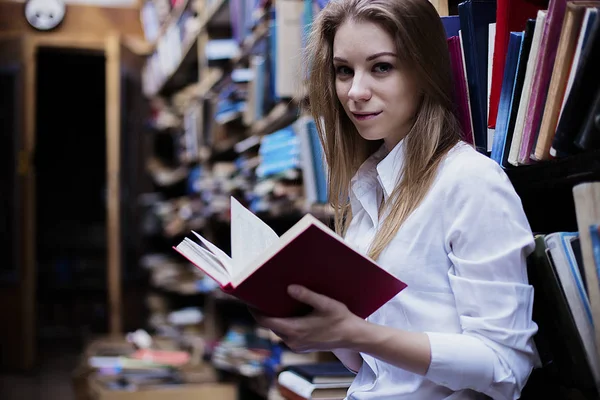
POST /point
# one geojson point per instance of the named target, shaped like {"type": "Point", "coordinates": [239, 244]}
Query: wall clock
{"type": "Point", "coordinates": [44, 15]}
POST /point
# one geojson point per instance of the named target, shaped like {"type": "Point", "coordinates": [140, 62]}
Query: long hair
{"type": "Point", "coordinates": [419, 35]}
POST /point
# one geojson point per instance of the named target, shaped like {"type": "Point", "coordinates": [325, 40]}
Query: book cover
{"type": "Point", "coordinates": [559, 249]}
{"type": "Point", "coordinates": [541, 79]}
{"type": "Point", "coordinates": [587, 197]}
{"type": "Point", "coordinates": [508, 87]}
{"type": "Point", "coordinates": [515, 146]}
{"type": "Point", "coordinates": [518, 89]}
{"type": "Point", "coordinates": [581, 93]}
{"type": "Point", "coordinates": [591, 13]}
{"type": "Point", "coordinates": [595, 238]}
{"type": "Point", "coordinates": [323, 372]}
{"type": "Point", "coordinates": [560, 73]}
{"type": "Point", "coordinates": [559, 343]}
{"type": "Point", "coordinates": [461, 91]}
{"type": "Point", "coordinates": [451, 25]}
{"type": "Point", "coordinates": [475, 18]}
{"type": "Point", "coordinates": [511, 16]}
{"type": "Point", "coordinates": [263, 265]}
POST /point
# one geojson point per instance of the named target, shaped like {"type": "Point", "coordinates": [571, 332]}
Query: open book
{"type": "Point", "coordinates": [262, 265]}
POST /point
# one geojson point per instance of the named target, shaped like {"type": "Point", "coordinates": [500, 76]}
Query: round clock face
{"type": "Point", "coordinates": [44, 14]}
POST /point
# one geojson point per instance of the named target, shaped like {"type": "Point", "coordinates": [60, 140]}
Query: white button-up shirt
{"type": "Point", "coordinates": [462, 253]}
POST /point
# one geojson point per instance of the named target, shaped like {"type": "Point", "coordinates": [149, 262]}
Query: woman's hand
{"type": "Point", "coordinates": [329, 326]}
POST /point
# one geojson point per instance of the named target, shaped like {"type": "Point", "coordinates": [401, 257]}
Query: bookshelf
{"type": "Point", "coordinates": [528, 97]}
{"type": "Point", "coordinates": [547, 187]}
{"type": "Point", "coordinates": [206, 148]}
{"type": "Point", "coordinates": [236, 114]}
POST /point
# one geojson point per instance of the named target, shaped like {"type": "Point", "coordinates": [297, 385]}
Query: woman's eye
{"type": "Point", "coordinates": [342, 70]}
{"type": "Point", "coordinates": [382, 67]}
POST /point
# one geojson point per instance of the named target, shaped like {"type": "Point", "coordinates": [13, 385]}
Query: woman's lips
{"type": "Point", "coordinates": [365, 116]}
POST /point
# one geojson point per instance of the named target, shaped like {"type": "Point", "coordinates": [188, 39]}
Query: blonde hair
{"type": "Point", "coordinates": [420, 38]}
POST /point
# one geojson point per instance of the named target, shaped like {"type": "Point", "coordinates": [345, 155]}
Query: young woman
{"type": "Point", "coordinates": [429, 208]}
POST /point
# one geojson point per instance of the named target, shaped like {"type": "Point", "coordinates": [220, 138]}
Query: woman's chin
{"type": "Point", "coordinates": [371, 136]}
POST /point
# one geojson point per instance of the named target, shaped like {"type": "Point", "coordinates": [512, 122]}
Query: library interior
{"type": "Point", "coordinates": [197, 110]}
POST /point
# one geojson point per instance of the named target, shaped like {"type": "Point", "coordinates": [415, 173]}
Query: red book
{"type": "Point", "coordinates": [164, 357]}
{"type": "Point", "coordinates": [511, 16]}
{"type": "Point", "coordinates": [262, 266]}
{"type": "Point", "coordinates": [461, 89]}
{"type": "Point", "coordinates": [541, 80]}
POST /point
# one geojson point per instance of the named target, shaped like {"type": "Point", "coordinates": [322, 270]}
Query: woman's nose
{"type": "Point", "coordinates": [359, 91]}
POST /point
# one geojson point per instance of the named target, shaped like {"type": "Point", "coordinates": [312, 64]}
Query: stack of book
{"type": "Point", "coordinates": [325, 380]}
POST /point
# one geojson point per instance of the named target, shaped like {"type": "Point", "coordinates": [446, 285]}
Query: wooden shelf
{"type": "Point", "coordinates": [208, 82]}
{"type": "Point", "coordinates": [546, 189]}
{"type": "Point", "coordinates": [250, 41]}
{"type": "Point", "coordinates": [173, 17]}
{"type": "Point", "coordinates": [211, 13]}
{"type": "Point", "coordinates": [180, 76]}
{"type": "Point", "coordinates": [279, 117]}
{"type": "Point", "coordinates": [564, 171]}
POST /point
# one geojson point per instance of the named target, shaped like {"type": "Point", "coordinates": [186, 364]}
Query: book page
{"type": "Point", "coordinates": [204, 260]}
{"type": "Point", "coordinates": [218, 253]}
{"type": "Point", "coordinates": [250, 237]}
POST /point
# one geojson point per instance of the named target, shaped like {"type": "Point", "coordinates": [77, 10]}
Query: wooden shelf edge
{"type": "Point", "coordinates": [192, 43]}
{"type": "Point", "coordinates": [571, 169]}
{"type": "Point", "coordinates": [250, 41]}
{"type": "Point", "coordinates": [210, 14]}
{"type": "Point", "coordinates": [185, 53]}
{"type": "Point", "coordinates": [279, 115]}
{"type": "Point", "coordinates": [207, 83]}
{"type": "Point", "coordinates": [173, 17]}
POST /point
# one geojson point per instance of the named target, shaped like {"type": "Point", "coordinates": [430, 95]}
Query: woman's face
{"type": "Point", "coordinates": [378, 94]}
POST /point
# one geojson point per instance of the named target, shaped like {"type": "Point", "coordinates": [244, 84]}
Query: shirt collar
{"type": "Point", "coordinates": [380, 167]}
{"type": "Point", "coordinates": [390, 168]}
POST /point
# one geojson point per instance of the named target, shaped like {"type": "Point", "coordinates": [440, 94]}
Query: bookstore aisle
{"type": "Point", "coordinates": [214, 108]}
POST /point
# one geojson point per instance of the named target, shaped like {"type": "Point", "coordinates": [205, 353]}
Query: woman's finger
{"type": "Point", "coordinates": [316, 300]}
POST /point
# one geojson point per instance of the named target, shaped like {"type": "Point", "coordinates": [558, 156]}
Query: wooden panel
{"type": "Point", "coordinates": [79, 19]}
{"type": "Point", "coordinates": [18, 345]}
{"type": "Point", "coordinates": [12, 49]}
{"type": "Point", "coordinates": [29, 209]}
{"type": "Point", "coordinates": [113, 120]}
{"type": "Point", "coordinates": [119, 60]}
{"type": "Point", "coordinates": [70, 41]}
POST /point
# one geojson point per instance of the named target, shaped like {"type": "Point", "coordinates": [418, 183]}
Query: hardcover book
{"type": "Point", "coordinates": [262, 266]}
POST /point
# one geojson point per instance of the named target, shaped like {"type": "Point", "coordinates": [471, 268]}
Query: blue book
{"type": "Point", "coordinates": [506, 95]}
{"type": "Point", "coordinates": [530, 28]}
{"type": "Point", "coordinates": [475, 18]}
{"type": "Point", "coordinates": [318, 162]}
{"type": "Point", "coordinates": [451, 25]}
{"type": "Point", "coordinates": [273, 56]}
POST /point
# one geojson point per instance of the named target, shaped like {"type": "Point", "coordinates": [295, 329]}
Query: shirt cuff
{"type": "Point", "coordinates": [460, 362]}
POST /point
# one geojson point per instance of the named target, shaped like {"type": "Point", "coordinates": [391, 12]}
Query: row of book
{"type": "Point", "coordinates": [274, 37]}
{"type": "Point", "coordinates": [154, 15]}
{"type": "Point", "coordinates": [176, 41]}
{"type": "Point", "coordinates": [524, 77]}
{"type": "Point", "coordinates": [564, 270]}
{"type": "Point", "coordinates": [279, 172]}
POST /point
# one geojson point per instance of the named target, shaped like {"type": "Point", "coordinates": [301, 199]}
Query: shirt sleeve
{"type": "Point", "coordinates": [488, 239]}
